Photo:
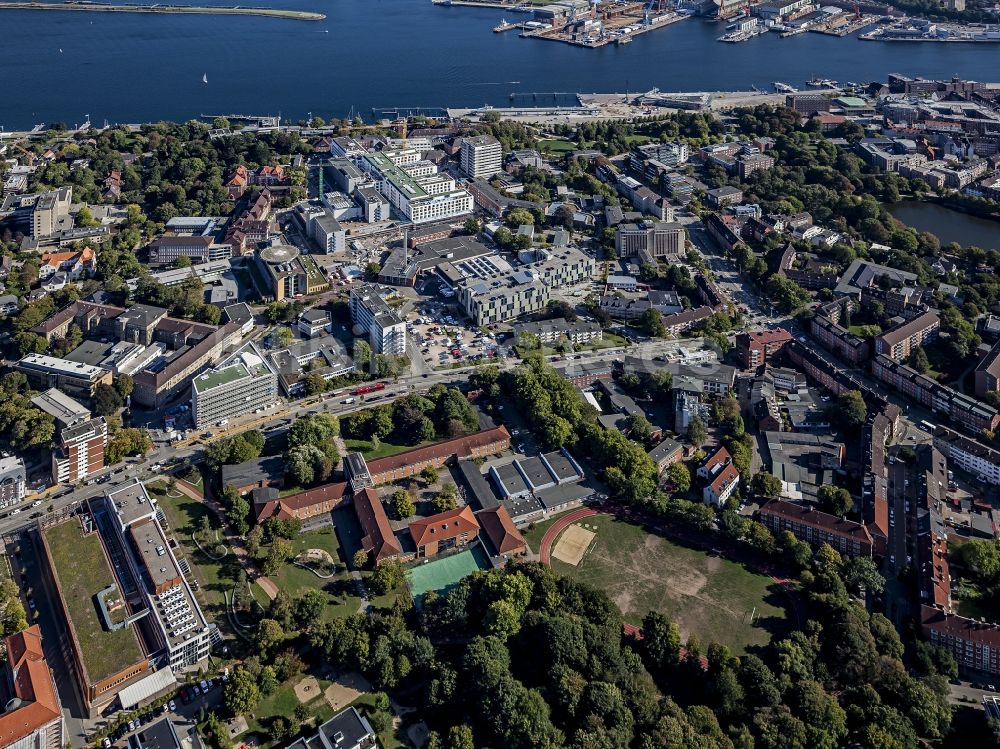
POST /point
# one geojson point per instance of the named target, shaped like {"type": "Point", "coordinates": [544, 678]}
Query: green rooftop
{"type": "Point", "coordinates": [214, 378]}
{"type": "Point", "coordinates": [82, 571]}
{"type": "Point", "coordinates": [854, 102]}
{"type": "Point", "coordinates": [403, 181]}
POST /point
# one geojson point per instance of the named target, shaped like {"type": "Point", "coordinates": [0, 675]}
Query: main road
{"type": "Point", "coordinates": [276, 422]}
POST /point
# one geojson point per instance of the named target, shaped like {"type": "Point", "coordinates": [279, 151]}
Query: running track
{"type": "Point", "coordinates": [545, 547]}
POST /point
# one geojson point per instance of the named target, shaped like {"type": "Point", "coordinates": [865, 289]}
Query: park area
{"type": "Point", "coordinates": [709, 597]}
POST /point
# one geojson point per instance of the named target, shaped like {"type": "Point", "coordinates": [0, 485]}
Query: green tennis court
{"type": "Point", "coordinates": [442, 574]}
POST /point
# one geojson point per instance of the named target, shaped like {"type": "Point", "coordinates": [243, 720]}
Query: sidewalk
{"type": "Point", "coordinates": [235, 542]}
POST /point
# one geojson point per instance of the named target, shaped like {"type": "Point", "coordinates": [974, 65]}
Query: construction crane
{"type": "Point", "coordinates": [857, 11]}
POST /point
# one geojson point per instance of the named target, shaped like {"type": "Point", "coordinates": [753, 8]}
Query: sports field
{"type": "Point", "coordinates": [709, 597]}
{"type": "Point", "coordinates": [441, 574]}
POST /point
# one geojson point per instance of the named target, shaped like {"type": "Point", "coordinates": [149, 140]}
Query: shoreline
{"type": "Point", "coordinates": [290, 15]}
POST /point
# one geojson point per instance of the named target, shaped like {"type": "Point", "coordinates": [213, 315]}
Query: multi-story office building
{"type": "Point", "coordinates": [81, 451]}
{"type": "Point", "coordinates": [481, 157]}
{"type": "Point", "coordinates": [497, 297]}
{"type": "Point", "coordinates": [201, 249]}
{"type": "Point", "coordinates": [899, 342]}
{"type": "Point", "coordinates": [44, 372]}
{"type": "Point", "coordinates": [289, 272]}
{"type": "Point", "coordinates": [660, 240]}
{"type": "Point", "coordinates": [418, 199]}
{"type": "Point", "coordinates": [51, 212]}
{"type": "Point", "coordinates": [175, 630]}
{"type": "Point", "coordinates": [242, 384]}
{"type": "Point", "coordinates": [12, 481]}
{"type": "Point", "coordinates": [386, 330]}
{"type": "Point", "coordinates": [32, 718]}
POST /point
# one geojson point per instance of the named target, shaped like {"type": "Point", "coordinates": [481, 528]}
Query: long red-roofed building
{"type": "Point", "coordinates": [35, 721]}
{"type": "Point", "coordinates": [379, 540]}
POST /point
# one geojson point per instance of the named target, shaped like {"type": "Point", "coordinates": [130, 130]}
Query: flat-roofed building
{"type": "Point", "coordinates": [660, 240]}
{"type": "Point", "coordinates": [757, 347]}
{"type": "Point", "coordinates": [95, 607]}
{"type": "Point", "coordinates": [13, 479]}
{"type": "Point", "coordinates": [61, 407]}
{"type": "Point", "coordinates": [44, 372]}
{"type": "Point", "coordinates": [81, 451]}
{"type": "Point", "coordinates": [481, 156]}
{"type": "Point", "coordinates": [385, 329]}
{"type": "Point", "coordinates": [242, 384]}
{"type": "Point", "coordinates": [345, 730]}
{"type": "Point", "coordinates": [418, 199]}
{"type": "Point", "coordinates": [168, 249]}
{"type": "Point", "coordinates": [554, 330]}
{"type": "Point", "coordinates": [175, 628]}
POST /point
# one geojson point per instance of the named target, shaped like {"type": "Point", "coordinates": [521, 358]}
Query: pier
{"type": "Point", "coordinates": [213, 10]}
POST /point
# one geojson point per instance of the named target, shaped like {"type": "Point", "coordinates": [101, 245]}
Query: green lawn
{"type": "Point", "coordinates": [556, 146]}
{"type": "Point", "coordinates": [214, 578]}
{"type": "Point", "coordinates": [384, 450]}
{"type": "Point", "coordinates": [342, 599]}
{"type": "Point", "coordinates": [707, 596]}
{"type": "Point", "coordinates": [83, 571]}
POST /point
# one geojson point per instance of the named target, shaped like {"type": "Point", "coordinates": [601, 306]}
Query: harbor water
{"type": "Point", "coordinates": [62, 66]}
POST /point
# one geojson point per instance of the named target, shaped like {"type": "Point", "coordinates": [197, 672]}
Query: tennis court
{"type": "Point", "coordinates": [441, 574]}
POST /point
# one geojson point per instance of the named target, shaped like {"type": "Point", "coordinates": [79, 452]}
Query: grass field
{"type": "Point", "coordinates": [707, 596]}
{"type": "Point", "coordinates": [384, 449]}
{"type": "Point", "coordinates": [556, 146]}
{"type": "Point", "coordinates": [83, 572]}
{"type": "Point", "coordinates": [342, 599]}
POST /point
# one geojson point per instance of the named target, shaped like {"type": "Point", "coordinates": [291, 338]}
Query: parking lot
{"type": "Point", "coordinates": [444, 338]}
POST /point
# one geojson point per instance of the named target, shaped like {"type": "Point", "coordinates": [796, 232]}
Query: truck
{"type": "Point", "coordinates": [368, 388]}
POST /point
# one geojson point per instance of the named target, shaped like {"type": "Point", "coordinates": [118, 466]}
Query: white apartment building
{"type": "Point", "coordinates": [12, 481]}
{"type": "Point", "coordinates": [419, 199]}
{"type": "Point", "coordinates": [386, 330]}
{"type": "Point", "coordinates": [81, 452]}
{"type": "Point", "coordinates": [482, 157]}
{"type": "Point", "coordinates": [239, 386]}
{"type": "Point", "coordinates": [971, 456]}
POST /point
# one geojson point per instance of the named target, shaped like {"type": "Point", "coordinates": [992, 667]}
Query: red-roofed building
{"type": "Point", "coordinates": [501, 531]}
{"type": "Point", "coordinates": [757, 347]}
{"type": "Point", "coordinates": [410, 463]}
{"type": "Point", "coordinates": [307, 504]}
{"type": "Point", "coordinates": [974, 644]}
{"type": "Point", "coordinates": [722, 486]}
{"type": "Point", "coordinates": [445, 530]}
{"type": "Point", "coordinates": [815, 527]}
{"type": "Point", "coordinates": [33, 717]}
{"type": "Point", "coordinates": [378, 539]}
{"type": "Point", "coordinates": [237, 184]}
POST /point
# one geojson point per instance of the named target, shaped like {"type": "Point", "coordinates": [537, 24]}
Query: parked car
{"type": "Point", "coordinates": [172, 705]}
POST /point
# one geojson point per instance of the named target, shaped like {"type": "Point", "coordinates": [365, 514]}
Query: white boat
{"type": "Point", "coordinates": [783, 88]}
{"type": "Point", "coordinates": [204, 78]}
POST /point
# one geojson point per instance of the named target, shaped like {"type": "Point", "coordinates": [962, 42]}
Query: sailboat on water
{"type": "Point", "coordinates": [204, 78]}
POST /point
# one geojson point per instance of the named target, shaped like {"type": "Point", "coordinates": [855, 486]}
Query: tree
{"type": "Point", "coordinates": [918, 360]}
{"type": "Point", "coordinates": [124, 384]}
{"type": "Point", "coordinates": [679, 476]}
{"type": "Point", "coordinates": [402, 504]}
{"type": "Point", "coordinates": [279, 552]}
{"type": "Point", "coordinates": [360, 559]}
{"type": "Point", "coordinates": [429, 474]}
{"type": "Point", "coordinates": [446, 498]}
{"type": "Point", "coordinates": [238, 514]}
{"type": "Point", "coordinates": [766, 485]}
{"type": "Point", "coordinates": [862, 572]}
{"type": "Point", "coordinates": [697, 432]}
{"type": "Point", "coordinates": [388, 575]}
{"type": "Point", "coordinates": [241, 693]}
{"type": "Point", "coordinates": [106, 400]}
{"type": "Point", "coordinates": [269, 634]}
{"type": "Point", "coordinates": [849, 410]}
{"type": "Point", "coordinates": [652, 323]}
{"type": "Point", "coordinates": [460, 737]}
{"type": "Point", "coordinates": [638, 426]}
{"type": "Point", "coordinates": [835, 499]}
